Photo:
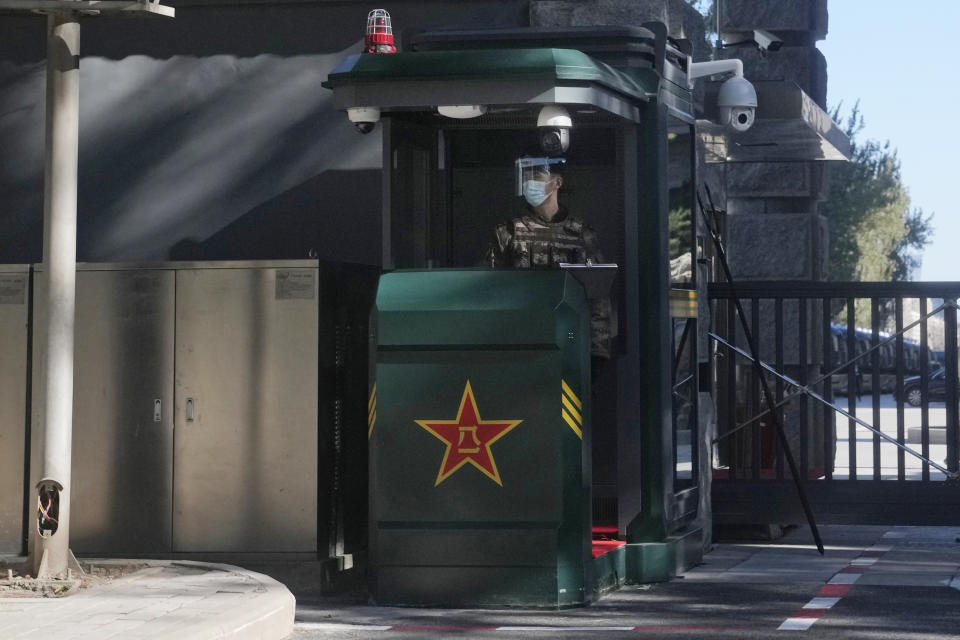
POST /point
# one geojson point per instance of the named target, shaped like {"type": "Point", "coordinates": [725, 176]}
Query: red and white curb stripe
{"type": "Point", "coordinates": [837, 587]}
{"type": "Point", "coordinates": [333, 626]}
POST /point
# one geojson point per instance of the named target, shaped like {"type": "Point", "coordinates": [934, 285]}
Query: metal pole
{"type": "Point", "coordinates": [51, 554]}
{"type": "Point", "coordinates": [951, 381]}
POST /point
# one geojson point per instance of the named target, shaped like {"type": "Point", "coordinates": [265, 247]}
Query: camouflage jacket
{"type": "Point", "coordinates": [531, 241]}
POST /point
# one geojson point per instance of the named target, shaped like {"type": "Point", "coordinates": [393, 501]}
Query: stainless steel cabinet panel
{"type": "Point", "coordinates": [245, 453]}
{"type": "Point", "coordinates": [14, 283]}
{"type": "Point", "coordinates": [123, 412]}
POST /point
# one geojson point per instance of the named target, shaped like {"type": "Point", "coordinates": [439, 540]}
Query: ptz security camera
{"type": "Point", "coordinates": [737, 103]}
{"type": "Point", "coordinates": [553, 128]}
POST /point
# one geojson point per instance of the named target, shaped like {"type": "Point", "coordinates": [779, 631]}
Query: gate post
{"type": "Point", "coordinates": [953, 411]}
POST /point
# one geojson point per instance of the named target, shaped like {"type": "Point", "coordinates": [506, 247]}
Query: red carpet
{"type": "Point", "coordinates": [604, 540]}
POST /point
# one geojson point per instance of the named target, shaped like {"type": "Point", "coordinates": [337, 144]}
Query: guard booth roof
{"type": "Point", "coordinates": [622, 47]}
{"type": "Point", "coordinates": [646, 46]}
{"type": "Point", "coordinates": [519, 66]}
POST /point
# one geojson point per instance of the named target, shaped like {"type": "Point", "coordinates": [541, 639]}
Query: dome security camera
{"type": "Point", "coordinates": [553, 128]}
{"type": "Point", "coordinates": [737, 103]}
{"type": "Point", "coordinates": [364, 118]}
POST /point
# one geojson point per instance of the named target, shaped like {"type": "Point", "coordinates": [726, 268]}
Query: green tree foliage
{"type": "Point", "coordinates": [875, 234]}
{"type": "Point", "coordinates": [679, 229]}
{"type": "Point", "coordinates": [708, 9]}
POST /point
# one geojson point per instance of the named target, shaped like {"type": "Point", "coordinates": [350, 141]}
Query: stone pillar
{"type": "Point", "coordinates": [773, 230]}
{"type": "Point", "coordinates": [777, 198]}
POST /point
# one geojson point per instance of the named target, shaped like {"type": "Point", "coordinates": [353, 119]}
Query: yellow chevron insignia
{"type": "Point", "coordinates": [570, 411]}
{"type": "Point", "coordinates": [567, 390]}
{"type": "Point", "coordinates": [372, 411]}
{"type": "Point", "coordinates": [683, 303]}
{"type": "Point", "coordinates": [573, 425]}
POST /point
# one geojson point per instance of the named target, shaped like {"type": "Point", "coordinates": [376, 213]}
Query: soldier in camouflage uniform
{"type": "Point", "coordinates": [547, 235]}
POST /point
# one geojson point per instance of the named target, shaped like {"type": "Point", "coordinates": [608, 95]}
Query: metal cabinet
{"type": "Point", "coordinates": [123, 411]}
{"type": "Point", "coordinates": [14, 300]}
{"type": "Point", "coordinates": [195, 409]}
{"type": "Point", "coordinates": [245, 459]}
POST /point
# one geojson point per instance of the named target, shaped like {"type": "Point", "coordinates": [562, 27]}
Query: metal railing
{"type": "Point", "coordinates": [818, 342]}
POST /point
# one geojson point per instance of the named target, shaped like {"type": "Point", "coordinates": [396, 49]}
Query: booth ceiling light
{"type": "Point", "coordinates": [462, 111]}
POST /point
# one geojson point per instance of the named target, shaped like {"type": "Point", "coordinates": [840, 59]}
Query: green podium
{"type": "Point", "coordinates": [479, 430]}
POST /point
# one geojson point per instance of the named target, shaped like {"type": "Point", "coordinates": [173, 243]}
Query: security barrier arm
{"type": "Point", "coordinates": [805, 389]}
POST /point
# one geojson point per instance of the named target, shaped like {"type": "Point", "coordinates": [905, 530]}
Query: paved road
{"type": "Point", "coordinates": [888, 423]}
{"type": "Point", "coordinates": [873, 582]}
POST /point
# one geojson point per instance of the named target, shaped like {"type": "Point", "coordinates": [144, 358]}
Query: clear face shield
{"type": "Point", "coordinates": [540, 170]}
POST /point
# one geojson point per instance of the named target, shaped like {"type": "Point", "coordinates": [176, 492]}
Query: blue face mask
{"type": "Point", "coordinates": [535, 192]}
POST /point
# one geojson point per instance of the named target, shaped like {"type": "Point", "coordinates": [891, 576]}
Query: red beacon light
{"type": "Point", "coordinates": [379, 36]}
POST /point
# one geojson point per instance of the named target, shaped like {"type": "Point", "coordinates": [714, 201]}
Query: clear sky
{"type": "Point", "coordinates": [899, 59]}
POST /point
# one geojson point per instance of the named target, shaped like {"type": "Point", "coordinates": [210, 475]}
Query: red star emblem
{"type": "Point", "coordinates": [468, 438]}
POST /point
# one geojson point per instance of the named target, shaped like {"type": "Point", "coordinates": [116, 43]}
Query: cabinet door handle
{"type": "Point", "coordinates": [191, 409]}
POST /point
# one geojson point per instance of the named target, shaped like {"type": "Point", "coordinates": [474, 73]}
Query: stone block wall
{"type": "Point", "coordinates": [776, 246]}
{"type": "Point", "coordinates": [802, 65]}
{"type": "Point", "coordinates": [682, 20]}
{"type": "Point", "coordinates": [797, 21]}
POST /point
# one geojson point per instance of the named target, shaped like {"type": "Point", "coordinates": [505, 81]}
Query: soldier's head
{"type": "Point", "coordinates": [539, 180]}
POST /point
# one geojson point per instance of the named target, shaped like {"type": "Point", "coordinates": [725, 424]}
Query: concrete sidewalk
{"type": "Point", "coordinates": [165, 599]}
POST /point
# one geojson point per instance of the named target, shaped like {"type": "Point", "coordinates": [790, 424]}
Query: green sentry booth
{"type": "Point", "coordinates": [479, 464]}
{"type": "Point", "coordinates": [506, 511]}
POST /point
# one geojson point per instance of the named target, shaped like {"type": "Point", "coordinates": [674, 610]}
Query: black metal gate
{"type": "Point", "coordinates": [866, 384]}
